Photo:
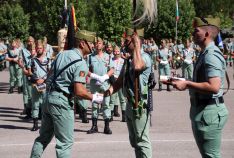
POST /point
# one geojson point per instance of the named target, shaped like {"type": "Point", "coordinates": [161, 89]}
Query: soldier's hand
{"type": "Point", "coordinates": [136, 41]}
{"type": "Point", "coordinates": [97, 98]}
{"type": "Point", "coordinates": [180, 85]}
{"type": "Point", "coordinates": [109, 92]}
{"type": "Point", "coordinates": [39, 81]}
{"type": "Point", "coordinates": [103, 78]}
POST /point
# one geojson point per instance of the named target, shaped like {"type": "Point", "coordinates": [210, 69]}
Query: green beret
{"type": "Point", "coordinates": [140, 32]}
{"type": "Point", "coordinates": [86, 35]}
{"type": "Point", "coordinates": [198, 22]}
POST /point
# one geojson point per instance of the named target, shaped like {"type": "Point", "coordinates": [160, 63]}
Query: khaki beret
{"type": "Point", "coordinates": [140, 32]}
{"type": "Point", "coordinates": [86, 35]}
{"type": "Point", "coordinates": [198, 22]}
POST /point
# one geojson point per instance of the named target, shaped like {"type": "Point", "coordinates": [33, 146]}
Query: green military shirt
{"type": "Point", "coordinates": [74, 73]}
{"type": "Point", "coordinates": [188, 55]}
{"type": "Point", "coordinates": [39, 68]}
{"type": "Point", "coordinates": [100, 67]}
{"type": "Point", "coordinates": [143, 78]}
{"type": "Point", "coordinates": [164, 54]}
{"type": "Point", "coordinates": [25, 55]}
{"type": "Point", "coordinates": [210, 64]}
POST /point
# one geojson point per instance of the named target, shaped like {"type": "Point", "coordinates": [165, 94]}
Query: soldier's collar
{"type": "Point", "coordinates": [78, 51]}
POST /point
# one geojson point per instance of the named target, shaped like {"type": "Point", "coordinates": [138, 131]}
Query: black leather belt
{"type": "Point", "coordinates": [209, 101]}
{"type": "Point", "coordinates": [61, 91]}
{"type": "Point", "coordinates": [69, 97]}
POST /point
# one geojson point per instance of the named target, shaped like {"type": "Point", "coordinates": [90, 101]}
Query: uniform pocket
{"type": "Point", "coordinates": [210, 117]}
{"type": "Point", "coordinates": [223, 116]}
{"type": "Point", "coordinates": [55, 110]}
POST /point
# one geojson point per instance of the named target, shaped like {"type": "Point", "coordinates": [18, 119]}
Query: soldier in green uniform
{"type": "Point", "coordinates": [81, 108]}
{"type": "Point", "coordinates": [38, 67]}
{"type": "Point", "coordinates": [187, 56]}
{"type": "Point", "coordinates": [24, 57]}
{"type": "Point", "coordinates": [15, 70]}
{"type": "Point", "coordinates": [101, 68]}
{"type": "Point", "coordinates": [208, 112]}
{"type": "Point", "coordinates": [118, 97]}
{"type": "Point", "coordinates": [137, 118]}
{"type": "Point", "coordinates": [66, 80]}
{"type": "Point", "coordinates": [164, 56]}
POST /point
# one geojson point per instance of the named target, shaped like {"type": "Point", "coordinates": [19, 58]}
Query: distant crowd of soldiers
{"type": "Point", "coordinates": [29, 65]}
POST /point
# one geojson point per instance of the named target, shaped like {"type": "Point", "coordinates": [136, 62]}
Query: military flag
{"type": "Point", "coordinates": [220, 41]}
{"type": "Point", "coordinates": [177, 11]}
{"type": "Point", "coordinates": [71, 28]}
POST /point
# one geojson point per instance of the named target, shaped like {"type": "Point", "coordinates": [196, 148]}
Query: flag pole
{"type": "Point", "coordinates": [65, 4]}
{"type": "Point", "coordinates": [177, 18]}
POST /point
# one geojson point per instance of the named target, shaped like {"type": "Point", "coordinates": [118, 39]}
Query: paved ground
{"type": "Point", "coordinates": [170, 134]}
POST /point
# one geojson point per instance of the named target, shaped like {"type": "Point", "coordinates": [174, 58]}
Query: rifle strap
{"type": "Point", "coordinates": [40, 65]}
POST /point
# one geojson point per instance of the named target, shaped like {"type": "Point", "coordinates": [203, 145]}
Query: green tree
{"type": "Point", "coordinates": [113, 17]}
{"type": "Point", "coordinates": [44, 16]}
{"type": "Point", "coordinates": [165, 26]}
{"type": "Point", "coordinates": [223, 9]}
{"type": "Point", "coordinates": [14, 23]}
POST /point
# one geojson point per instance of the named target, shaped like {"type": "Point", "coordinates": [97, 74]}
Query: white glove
{"type": "Point", "coordinates": [164, 62]}
{"type": "Point", "coordinates": [103, 78]}
{"type": "Point", "coordinates": [188, 61]}
{"type": "Point", "coordinates": [98, 83]}
{"type": "Point", "coordinates": [95, 76]}
{"type": "Point", "coordinates": [97, 98]}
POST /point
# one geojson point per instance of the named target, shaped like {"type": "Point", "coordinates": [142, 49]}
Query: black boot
{"type": "Point", "coordinates": [35, 124]}
{"type": "Point", "coordinates": [40, 114]}
{"type": "Point", "coordinates": [107, 129]}
{"type": "Point", "coordinates": [28, 114]}
{"type": "Point", "coordinates": [84, 118]}
{"type": "Point", "coordinates": [112, 113]}
{"type": "Point", "coordinates": [20, 89]}
{"type": "Point", "coordinates": [160, 87]}
{"type": "Point", "coordinates": [24, 111]}
{"type": "Point", "coordinates": [123, 116]}
{"type": "Point", "coordinates": [168, 88]}
{"type": "Point", "coordinates": [116, 113]}
{"type": "Point", "coordinates": [11, 90]}
{"type": "Point", "coordinates": [94, 128]}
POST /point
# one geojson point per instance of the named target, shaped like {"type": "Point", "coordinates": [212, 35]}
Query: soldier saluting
{"type": "Point", "coordinates": [138, 65]}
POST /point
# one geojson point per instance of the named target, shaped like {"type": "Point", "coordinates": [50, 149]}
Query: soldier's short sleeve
{"type": "Point", "coordinates": [147, 60]}
{"type": "Point", "coordinates": [157, 53]}
{"type": "Point", "coordinates": [29, 64]}
{"type": "Point", "coordinates": [169, 53]}
{"type": "Point", "coordinates": [214, 65]}
{"type": "Point", "coordinates": [80, 72]}
{"type": "Point", "coordinates": [20, 54]}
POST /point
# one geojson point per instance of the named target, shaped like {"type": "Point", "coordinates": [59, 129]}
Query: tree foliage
{"type": "Point", "coordinates": [14, 23]}
{"type": "Point", "coordinates": [165, 26]}
{"type": "Point", "coordinates": [44, 17]}
{"type": "Point", "coordinates": [113, 17]}
{"type": "Point", "coordinates": [223, 9]}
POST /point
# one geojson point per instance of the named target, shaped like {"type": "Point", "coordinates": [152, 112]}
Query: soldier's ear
{"type": "Point", "coordinates": [206, 34]}
{"type": "Point", "coordinates": [82, 44]}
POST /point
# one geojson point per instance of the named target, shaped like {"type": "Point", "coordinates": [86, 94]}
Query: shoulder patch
{"type": "Point", "coordinates": [82, 74]}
